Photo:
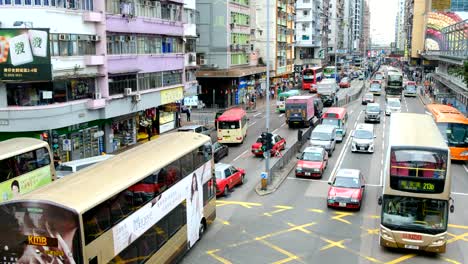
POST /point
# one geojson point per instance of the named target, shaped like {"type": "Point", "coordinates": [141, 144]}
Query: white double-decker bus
{"type": "Point", "coordinates": [417, 182]}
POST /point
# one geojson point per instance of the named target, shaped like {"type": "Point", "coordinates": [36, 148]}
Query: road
{"type": "Point", "coordinates": [293, 225]}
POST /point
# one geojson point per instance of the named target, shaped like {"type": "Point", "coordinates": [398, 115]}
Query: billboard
{"type": "Point", "coordinates": [436, 22]}
{"type": "Point", "coordinates": [25, 54]}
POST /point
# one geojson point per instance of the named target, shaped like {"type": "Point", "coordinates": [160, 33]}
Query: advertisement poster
{"type": "Point", "coordinates": [25, 54]}
{"type": "Point", "coordinates": [189, 189]}
{"type": "Point", "coordinates": [436, 22]}
{"type": "Point", "coordinates": [38, 233]}
{"type": "Point", "coordinates": [25, 183]}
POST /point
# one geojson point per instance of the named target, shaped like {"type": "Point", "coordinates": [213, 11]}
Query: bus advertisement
{"type": "Point", "coordinates": [25, 165]}
{"type": "Point", "coordinates": [151, 208]}
{"type": "Point", "coordinates": [394, 85]}
{"type": "Point", "coordinates": [310, 77]}
{"type": "Point", "coordinates": [329, 72]}
{"type": "Point", "coordinates": [417, 183]}
{"type": "Point", "coordinates": [453, 126]}
{"type": "Point", "coordinates": [232, 126]}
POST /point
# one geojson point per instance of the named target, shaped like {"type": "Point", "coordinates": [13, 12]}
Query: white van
{"type": "Point", "coordinates": [363, 138]}
{"type": "Point", "coordinates": [70, 167]}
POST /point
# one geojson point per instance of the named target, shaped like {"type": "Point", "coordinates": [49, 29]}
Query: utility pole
{"type": "Point", "coordinates": [268, 63]}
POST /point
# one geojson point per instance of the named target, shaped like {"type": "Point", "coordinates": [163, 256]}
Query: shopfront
{"type": "Point", "coordinates": [168, 111]}
{"type": "Point", "coordinates": [123, 132]}
{"type": "Point", "coordinates": [146, 124]}
{"type": "Point", "coordinates": [79, 141]}
{"type": "Point", "coordinates": [241, 91]}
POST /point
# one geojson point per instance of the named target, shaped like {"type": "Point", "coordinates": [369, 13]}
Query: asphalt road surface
{"type": "Point", "coordinates": [294, 225]}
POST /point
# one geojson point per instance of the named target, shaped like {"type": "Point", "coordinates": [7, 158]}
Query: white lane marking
{"type": "Point", "coordinates": [350, 112]}
{"type": "Point", "coordinates": [383, 150]}
{"type": "Point", "coordinates": [340, 159]}
{"type": "Point", "coordinates": [253, 123]}
{"type": "Point", "coordinates": [324, 181]}
{"type": "Point", "coordinates": [283, 124]}
{"type": "Point", "coordinates": [459, 193]}
{"type": "Point", "coordinates": [238, 157]}
{"type": "Point", "coordinates": [281, 115]}
{"type": "Point", "coordinates": [274, 131]}
{"type": "Point", "coordinates": [466, 168]}
{"type": "Point", "coordinates": [257, 114]}
{"type": "Point", "coordinates": [406, 104]}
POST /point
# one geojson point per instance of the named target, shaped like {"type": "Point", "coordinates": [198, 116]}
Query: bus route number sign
{"type": "Point", "coordinates": [417, 186]}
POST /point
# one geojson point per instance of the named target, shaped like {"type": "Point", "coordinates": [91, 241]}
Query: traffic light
{"type": "Point", "coordinates": [269, 141]}
{"type": "Point", "coordinates": [263, 137]}
{"type": "Point", "coordinates": [55, 140]}
{"type": "Point", "coordinates": [45, 136]}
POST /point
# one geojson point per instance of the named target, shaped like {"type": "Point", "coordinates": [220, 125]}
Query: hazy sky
{"type": "Point", "coordinates": [382, 23]}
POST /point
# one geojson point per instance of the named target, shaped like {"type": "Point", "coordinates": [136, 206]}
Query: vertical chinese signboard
{"type": "Point", "coordinates": [25, 54]}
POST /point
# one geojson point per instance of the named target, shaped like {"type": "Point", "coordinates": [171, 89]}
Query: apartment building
{"type": "Point", "coordinates": [308, 33]}
{"type": "Point", "coordinates": [109, 74]}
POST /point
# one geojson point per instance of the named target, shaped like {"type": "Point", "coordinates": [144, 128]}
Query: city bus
{"type": "Point", "coordinates": [338, 117]}
{"type": "Point", "coordinates": [25, 165]}
{"type": "Point", "coordinates": [416, 185]}
{"type": "Point", "coordinates": [453, 126]}
{"type": "Point", "coordinates": [394, 85]}
{"type": "Point", "coordinates": [311, 76]}
{"type": "Point", "coordinates": [232, 126]}
{"type": "Point", "coordinates": [329, 72]}
{"type": "Point", "coordinates": [149, 204]}
{"type": "Point", "coordinates": [281, 99]}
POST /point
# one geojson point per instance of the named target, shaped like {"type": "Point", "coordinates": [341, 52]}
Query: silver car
{"type": "Point", "coordinates": [324, 136]}
{"type": "Point", "coordinates": [372, 113]}
{"type": "Point", "coordinates": [363, 138]}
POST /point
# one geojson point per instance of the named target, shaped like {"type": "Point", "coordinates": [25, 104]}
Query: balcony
{"type": "Point", "coordinates": [145, 63]}
{"type": "Point", "coordinates": [94, 60]}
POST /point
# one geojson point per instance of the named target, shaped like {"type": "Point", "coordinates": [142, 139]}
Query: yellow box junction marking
{"type": "Point", "coordinates": [458, 226]}
{"type": "Point", "coordinates": [320, 211]}
{"type": "Point", "coordinates": [224, 222]}
{"type": "Point", "coordinates": [280, 209]}
{"type": "Point", "coordinates": [290, 256]}
{"type": "Point", "coordinates": [218, 258]}
{"type": "Point", "coordinates": [244, 204]}
{"type": "Point", "coordinates": [451, 260]}
{"type": "Point", "coordinates": [401, 259]}
{"type": "Point", "coordinates": [332, 243]}
{"type": "Point", "coordinates": [339, 217]}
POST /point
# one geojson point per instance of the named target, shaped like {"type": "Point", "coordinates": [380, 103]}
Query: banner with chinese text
{"type": "Point", "coordinates": [25, 54]}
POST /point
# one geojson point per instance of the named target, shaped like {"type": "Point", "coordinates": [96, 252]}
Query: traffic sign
{"type": "Point", "coordinates": [66, 145]}
{"type": "Point", "coordinates": [264, 175]}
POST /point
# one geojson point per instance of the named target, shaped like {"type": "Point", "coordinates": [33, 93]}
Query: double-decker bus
{"type": "Point", "coordinates": [394, 85]}
{"type": "Point", "coordinates": [25, 165]}
{"type": "Point", "coordinates": [147, 205]}
{"type": "Point", "coordinates": [232, 126]}
{"type": "Point", "coordinates": [453, 126]}
{"type": "Point", "coordinates": [416, 187]}
{"type": "Point", "coordinates": [329, 72]}
{"type": "Point", "coordinates": [310, 77]}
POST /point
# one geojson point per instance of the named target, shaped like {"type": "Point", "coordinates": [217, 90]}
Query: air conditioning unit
{"type": "Point", "coordinates": [136, 97]}
{"type": "Point", "coordinates": [97, 96]}
{"type": "Point", "coordinates": [127, 91]}
{"type": "Point", "coordinates": [94, 38]}
{"type": "Point", "coordinates": [64, 37]}
{"type": "Point", "coordinates": [214, 65]}
{"type": "Point", "coordinates": [202, 62]}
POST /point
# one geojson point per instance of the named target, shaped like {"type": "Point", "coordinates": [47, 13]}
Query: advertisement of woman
{"type": "Point", "coordinates": [194, 209]}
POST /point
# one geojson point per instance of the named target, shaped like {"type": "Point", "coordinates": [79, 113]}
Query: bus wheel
{"type": "Point", "coordinates": [201, 231]}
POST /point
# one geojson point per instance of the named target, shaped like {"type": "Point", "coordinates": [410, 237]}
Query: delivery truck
{"type": "Point", "coordinates": [300, 111]}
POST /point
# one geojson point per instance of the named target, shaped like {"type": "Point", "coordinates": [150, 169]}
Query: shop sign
{"type": "Point", "coordinates": [25, 54]}
{"type": "Point", "coordinates": [172, 95]}
{"type": "Point", "coordinates": [166, 117]}
{"type": "Point", "coordinates": [191, 101]}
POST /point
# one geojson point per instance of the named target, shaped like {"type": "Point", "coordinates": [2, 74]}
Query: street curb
{"type": "Point", "coordinates": [421, 99]}
{"type": "Point", "coordinates": [261, 192]}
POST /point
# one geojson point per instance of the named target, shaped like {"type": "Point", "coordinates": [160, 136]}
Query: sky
{"type": "Point", "coordinates": [382, 23]}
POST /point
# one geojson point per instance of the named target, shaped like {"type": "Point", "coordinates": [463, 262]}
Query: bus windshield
{"type": "Point", "coordinates": [331, 121]}
{"type": "Point", "coordinates": [395, 80]}
{"type": "Point", "coordinates": [228, 125]}
{"type": "Point", "coordinates": [415, 214]}
{"type": "Point", "coordinates": [308, 76]}
{"type": "Point", "coordinates": [456, 135]}
{"type": "Point", "coordinates": [418, 163]}
{"type": "Point", "coordinates": [411, 88]}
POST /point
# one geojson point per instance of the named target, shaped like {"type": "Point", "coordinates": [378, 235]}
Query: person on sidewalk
{"type": "Point", "coordinates": [149, 132]}
{"type": "Point", "coordinates": [188, 113]}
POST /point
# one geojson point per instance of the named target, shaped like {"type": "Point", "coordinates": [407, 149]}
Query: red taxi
{"type": "Point", "coordinates": [312, 162]}
{"type": "Point", "coordinates": [227, 177]}
{"type": "Point", "coordinates": [346, 190]}
{"type": "Point", "coordinates": [279, 144]}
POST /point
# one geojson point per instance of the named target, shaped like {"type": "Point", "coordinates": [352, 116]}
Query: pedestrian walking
{"type": "Point", "coordinates": [188, 113]}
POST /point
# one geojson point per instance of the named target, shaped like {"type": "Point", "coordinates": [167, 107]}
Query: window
{"type": "Point", "coordinates": [15, 166]}
{"type": "Point", "coordinates": [209, 191]}
{"type": "Point", "coordinates": [172, 78]}
{"type": "Point", "coordinates": [306, 13]}
{"type": "Point", "coordinates": [72, 45]}
{"type": "Point", "coordinates": [187, 164]}
{"type": "Point", "coordinates": [119, 82]}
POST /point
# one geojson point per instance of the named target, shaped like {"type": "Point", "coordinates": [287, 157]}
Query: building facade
{"type": "Point", "coordinates": [365, 34]}
{"type": "Point", "coordinates": [117, 71]}
{"type": "Point", "coordinates": [230, 67]}
{"type": "Point", "coordinates": [400, 26]}
{"type": "Point", "coordinates": [282, 27]}
{"type": "Point", "coordinates": [308, 34]}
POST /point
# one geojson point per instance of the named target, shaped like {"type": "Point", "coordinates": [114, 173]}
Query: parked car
{"type": "Point", "coordinates": [220, 151]}
{"type": "Point", "coordinates": [324, 136]}
{"type": "Point", "coordinates": [227, 177]}
{"type": "Point", "coordinates": [345, 83]}
{"type": "Point", "coordinates": [312, 162]}
{"type": "Point", "coordinates": [393, 106]}
{"type": "Point", "coordinates": [368, 98]}
{"type": "Point", "coordinates": [372, 113]}
{"type": "Point", "coordinates": [279, 144]}
{"type": "Point", "coordinates": [363, 138]}
{"type": "Point", "coordinates": [195, 128]}
{"type": "Point", "coordinates": [347, 189]}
